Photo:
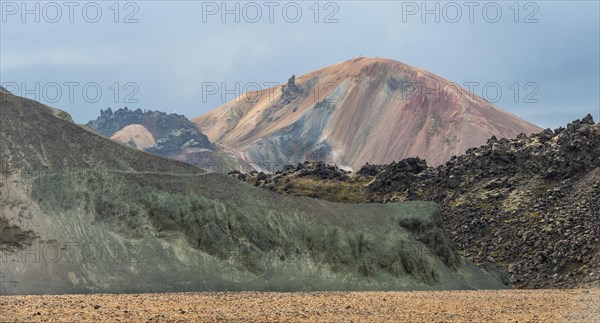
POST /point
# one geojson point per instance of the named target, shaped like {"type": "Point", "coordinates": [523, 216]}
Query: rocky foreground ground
{"type": "Point", "coordinates": [576, 305]}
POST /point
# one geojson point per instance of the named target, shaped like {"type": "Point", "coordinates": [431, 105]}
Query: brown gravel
{"type": "Point", "coordinates": [497, 306]}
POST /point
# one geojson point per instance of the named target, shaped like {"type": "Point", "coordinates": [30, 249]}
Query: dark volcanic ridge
{"type": "Point", "coordinates": [159, 123]}
{"type": "Point", "coordinates": [531, 205]}
{"type": "Point", "coordinates": [168, 135]}
{"type": "Point", "coordinates": [171, 131]}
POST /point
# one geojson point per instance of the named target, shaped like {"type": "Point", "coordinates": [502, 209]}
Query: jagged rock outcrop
{"type": "Point", "coordinates": [290, 91]}
{"type": "Point", "coordinates": [530, 204]}
{"type": "Point", "coordinates": [160, 124]}
{"type": "Point", "coordinates": [167, 135]}
{"type": "Point", "coordinates": [181, 139]}
{"type": "Point", "coordinates": [363, 110]}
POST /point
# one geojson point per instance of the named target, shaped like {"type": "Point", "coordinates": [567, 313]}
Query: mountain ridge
{"type": "Point", "coordinates": [173, 136]}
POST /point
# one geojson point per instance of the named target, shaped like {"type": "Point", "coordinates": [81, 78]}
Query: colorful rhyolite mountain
{"type": "Point", "coordinates": [363, 110]}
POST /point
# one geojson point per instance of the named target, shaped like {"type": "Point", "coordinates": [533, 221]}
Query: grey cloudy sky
{"type": "Point", "coordinates": [160, 53]}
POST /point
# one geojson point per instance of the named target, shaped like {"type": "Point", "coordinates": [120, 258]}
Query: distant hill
{"type": "Point", "coordinates": [364, 110]}
{"type": "Point", "coordinates": [168, 135]}
{"type": "Point", "coordinates": [159, 123]}
{"type": "Point", "coordinates": [135, 135]}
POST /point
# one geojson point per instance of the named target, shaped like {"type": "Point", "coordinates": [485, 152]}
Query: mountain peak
{"type": "Point", "coordinates": [365, 66]}
{"type": "Point", "coordinates": [373, 110]}
{"type": "Point", "coordinates": [365, 61]}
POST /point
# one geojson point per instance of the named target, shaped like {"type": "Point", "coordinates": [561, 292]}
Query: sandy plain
{"type": "Point", "coordinates": [576, 305]}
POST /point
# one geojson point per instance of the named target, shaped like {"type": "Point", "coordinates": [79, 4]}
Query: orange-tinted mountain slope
{"type": "Point", "coordinates": [135, 135]}
{"type": "Point", "coordinates": [363, 110]}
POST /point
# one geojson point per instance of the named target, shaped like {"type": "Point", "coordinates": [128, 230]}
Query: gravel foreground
{"type": "Point", "coordinates": [575, 305]}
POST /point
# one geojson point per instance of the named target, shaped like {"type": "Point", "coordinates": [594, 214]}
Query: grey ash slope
{"type": "Point", "coordinates": [161, 225]}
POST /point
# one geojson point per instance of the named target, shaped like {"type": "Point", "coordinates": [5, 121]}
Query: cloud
{"type": "Point", "coordinates": [171, 52]}
{"type": "Point", "coordinates": [55, 57]}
